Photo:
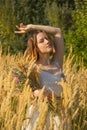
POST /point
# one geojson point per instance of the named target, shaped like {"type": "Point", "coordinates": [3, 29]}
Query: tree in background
{"type": "Point", "coordinates": [77, 35]}
{"type": "Point", "coordinates": [9, 17]}
{"type": "Point", "coordinates": [60, 16]}
{"type": "Point", "coordinates": [69, 15]}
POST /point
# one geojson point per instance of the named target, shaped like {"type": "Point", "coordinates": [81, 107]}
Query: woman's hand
{"type": "Point", "coordinates": [46, 93]}
{"type": "Point", "coordinates": [36, 93]}
{"type": "Point", "coordinates": [23, 28]}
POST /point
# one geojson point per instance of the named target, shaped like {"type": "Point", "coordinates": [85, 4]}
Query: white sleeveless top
{"type": "Point", "coordinates": [50, 81]}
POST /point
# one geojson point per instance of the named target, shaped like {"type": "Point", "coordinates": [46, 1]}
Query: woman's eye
{"type": "Point", "coordinates": [42, 40]}
{"type": "Point", "coordinates": [46, 38]}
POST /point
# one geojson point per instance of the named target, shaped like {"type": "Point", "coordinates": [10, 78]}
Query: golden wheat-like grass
{"type": "Point", "coordinates": [15, 97]}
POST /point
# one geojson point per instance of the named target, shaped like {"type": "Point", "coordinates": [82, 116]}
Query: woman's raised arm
{"type": "Point", "coordinates": [58, 38]}
{"type": "Point", "coordinates": [26, 28]}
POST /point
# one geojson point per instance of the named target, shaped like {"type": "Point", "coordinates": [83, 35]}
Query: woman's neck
{"type": "Point", "coordinates": [44, 60]}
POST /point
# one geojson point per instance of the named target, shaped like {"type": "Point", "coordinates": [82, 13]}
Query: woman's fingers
{"type": "Point", "coordinates": [17, 27]}
{"type": "Point", "coordinates": [21, 24]}
{"type": "Point", "coordinates": [19, 32]}
{"type": "Point", "coordinates": [21, 27]}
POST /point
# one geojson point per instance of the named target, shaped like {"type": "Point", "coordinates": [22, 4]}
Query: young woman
{"type": "Point", "coordinates": [48, 53]}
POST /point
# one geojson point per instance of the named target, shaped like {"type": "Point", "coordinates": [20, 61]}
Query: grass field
{"type": "Point", "coordinates": [15, 94]}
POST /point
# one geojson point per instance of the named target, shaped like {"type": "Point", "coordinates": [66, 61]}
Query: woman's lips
{"type": "Point", "coordinates": [49, 46]}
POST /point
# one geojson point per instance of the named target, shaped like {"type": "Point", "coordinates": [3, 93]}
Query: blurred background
{"type": "Point", "coordinates": [69, 15]}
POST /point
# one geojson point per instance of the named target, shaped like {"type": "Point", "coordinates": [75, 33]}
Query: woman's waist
{"type": "Point", "coordinates": [56, 89]}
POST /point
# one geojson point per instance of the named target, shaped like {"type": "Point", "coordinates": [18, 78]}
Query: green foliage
{"type": "Point", "coordinates": [77, 36]}
{"type": "Point", "coordinates": [30, 11]}
{"type": "Point", "coordinates": [52, 14]}
{"type": "Point", "coordinates": [59, 16]}
{"type": "Point", "coordinates": [9, 17]}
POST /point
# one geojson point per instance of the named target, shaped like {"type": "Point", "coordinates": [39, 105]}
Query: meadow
{"type": "Point", "coordinates": [15, 94]}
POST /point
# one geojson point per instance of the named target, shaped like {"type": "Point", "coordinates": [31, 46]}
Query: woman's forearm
{"type": "Point", "coordinates": [48, 29]}
{"type": "Point", "coordinates": [27, 28]}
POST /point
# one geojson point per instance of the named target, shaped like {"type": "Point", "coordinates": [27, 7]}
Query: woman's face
{"type": "Point", "coordinates": [44, 44]}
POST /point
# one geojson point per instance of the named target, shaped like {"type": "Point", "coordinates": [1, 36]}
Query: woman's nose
{"type": "Point", "coordinates": [46, 41]}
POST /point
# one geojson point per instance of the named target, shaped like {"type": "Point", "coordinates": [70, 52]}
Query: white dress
{"type": "Point", "coordinates": [50, 82]}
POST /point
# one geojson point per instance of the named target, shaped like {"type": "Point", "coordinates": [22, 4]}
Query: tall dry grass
{"type": "Point", "coordinates": [15, 95]}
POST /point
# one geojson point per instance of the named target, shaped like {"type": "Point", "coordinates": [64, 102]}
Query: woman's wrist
{"type": "Point", "coordinates": [29, 27]}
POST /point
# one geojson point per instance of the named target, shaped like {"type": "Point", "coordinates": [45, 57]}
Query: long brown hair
{"type": "Point", "coordinates": [32, 50]}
